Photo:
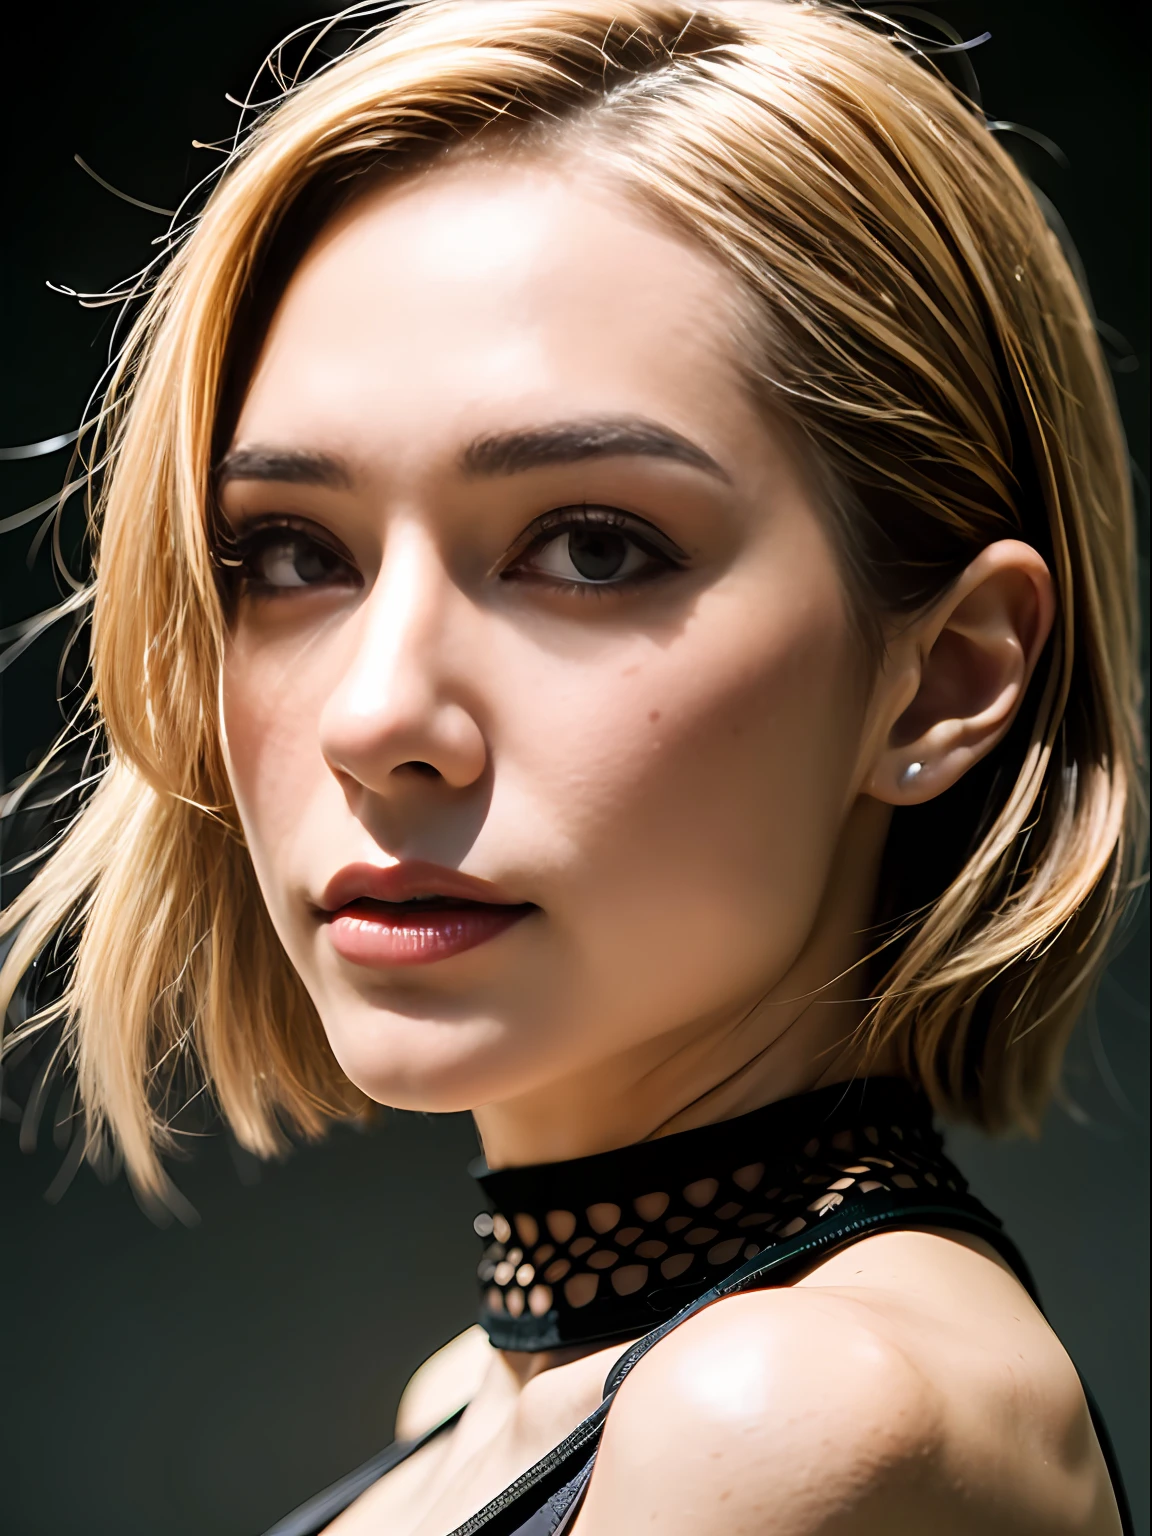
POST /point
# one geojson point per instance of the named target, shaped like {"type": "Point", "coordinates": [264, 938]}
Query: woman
{"type": "Point", "coordinates": [615, 611]}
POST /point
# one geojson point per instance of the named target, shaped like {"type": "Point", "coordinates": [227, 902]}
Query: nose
{"type": "Point", "coordinates": [399, 708]}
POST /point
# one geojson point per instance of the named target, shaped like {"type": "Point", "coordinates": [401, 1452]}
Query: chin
{"type": "Point", "coordinates": [434, 1064]}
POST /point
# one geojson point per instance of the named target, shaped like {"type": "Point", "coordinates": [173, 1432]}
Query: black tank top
{"type": "Point", "coordinates": [544, 1500]}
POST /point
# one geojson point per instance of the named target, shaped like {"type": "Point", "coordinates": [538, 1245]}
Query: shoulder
{"type": "Point", "coordinates": [778, 1406]}
{"type": "Point", "coordinates": [865, 1408]}
{"type": "Point", "coordinates": [445, 1382]}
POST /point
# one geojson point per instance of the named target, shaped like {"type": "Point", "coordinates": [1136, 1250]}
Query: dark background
{"type": "Point", "coordinates": [203, 1378]}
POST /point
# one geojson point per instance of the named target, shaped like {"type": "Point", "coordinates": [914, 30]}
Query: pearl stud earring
{"type": "Point", "coordinates": [910, 774]}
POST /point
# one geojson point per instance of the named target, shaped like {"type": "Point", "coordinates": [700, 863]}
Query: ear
{"type": "Point", "coordinates": [954, 678]}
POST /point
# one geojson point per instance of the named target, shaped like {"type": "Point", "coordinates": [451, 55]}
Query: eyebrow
{"type": "Point", "coordinates": [568, 442]}
{"type": "Point", "coordinates": [502, 453]}
{"type": "Point", "coordinates": [292, 466]}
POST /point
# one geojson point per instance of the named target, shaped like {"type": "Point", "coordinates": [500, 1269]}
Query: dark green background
{"type": "Point", "coordinates": [202, 1379]}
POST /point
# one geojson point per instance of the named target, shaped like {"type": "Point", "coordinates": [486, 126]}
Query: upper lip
{"type": "Point", "coordinates": [404, 882]}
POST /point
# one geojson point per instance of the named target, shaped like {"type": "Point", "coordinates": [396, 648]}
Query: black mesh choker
{"type": "Point", "coordinates": [607, 1246]}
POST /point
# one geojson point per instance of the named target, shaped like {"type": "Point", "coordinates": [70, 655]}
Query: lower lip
{"type": "Point", "coordinates": [381, 939]}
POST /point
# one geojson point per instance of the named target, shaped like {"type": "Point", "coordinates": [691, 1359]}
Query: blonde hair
{"type": "Point", "coordinates": [916, 320]}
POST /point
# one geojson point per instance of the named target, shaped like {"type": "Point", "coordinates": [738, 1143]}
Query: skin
{"type": "Point", "coordinates": [690, 776]}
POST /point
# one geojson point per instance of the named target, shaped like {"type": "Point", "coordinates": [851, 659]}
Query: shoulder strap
{"type": "Point", "coordinates": [310, 1519]}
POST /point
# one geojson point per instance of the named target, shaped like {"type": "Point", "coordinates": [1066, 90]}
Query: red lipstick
{"type": "Point", "coordinates": [413, 913]}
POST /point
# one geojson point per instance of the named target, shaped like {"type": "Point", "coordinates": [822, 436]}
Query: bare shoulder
{"type": "Point", "coordinates": [906, 1384]}
{"type": "Point", "coordinates": [446, 1381]}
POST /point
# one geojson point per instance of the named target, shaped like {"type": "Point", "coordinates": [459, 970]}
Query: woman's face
{"type": "Point", "coordinates": [538, 617]}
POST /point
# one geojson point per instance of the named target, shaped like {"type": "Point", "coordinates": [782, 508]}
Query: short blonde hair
{"type": "Point", "coordinates": [913, 316]}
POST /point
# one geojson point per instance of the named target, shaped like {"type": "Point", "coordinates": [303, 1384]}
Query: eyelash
{"type": "Point", "coordinates": [551, 526]}
{"type": "Point", "coordinates": [238, 557]}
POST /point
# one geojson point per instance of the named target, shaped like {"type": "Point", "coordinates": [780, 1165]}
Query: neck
{"type": "Point", "coordinates": [580, 1252]}
{"type": "Point", "coordinates": [802, 1031]}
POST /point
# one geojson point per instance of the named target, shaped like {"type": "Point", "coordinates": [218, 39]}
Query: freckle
{"type": "Point", "coordinates": [653, 715]}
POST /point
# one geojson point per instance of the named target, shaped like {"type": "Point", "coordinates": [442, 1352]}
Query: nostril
{"type": "Point", "coordinates": [425, 770]}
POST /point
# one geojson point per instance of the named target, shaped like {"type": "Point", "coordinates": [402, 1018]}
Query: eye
{"type": "Point", "coordinates": [595, 546]}
{"type": "Point", "coordinates": [281, 558]}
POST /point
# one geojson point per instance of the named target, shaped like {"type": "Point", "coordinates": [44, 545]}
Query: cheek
{"type": "Point", "coordinates": [701, 789]}
{"type": "Point", "coordinates": [270, 705]}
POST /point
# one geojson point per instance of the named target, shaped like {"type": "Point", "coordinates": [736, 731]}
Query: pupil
{"type": "Point", "coordinates": [596, 553]}
{"type": "Point", "coordinates": [310, 562]}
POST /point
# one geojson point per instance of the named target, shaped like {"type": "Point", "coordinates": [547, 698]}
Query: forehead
{"type": "Point", "coordinates": [492, 291]}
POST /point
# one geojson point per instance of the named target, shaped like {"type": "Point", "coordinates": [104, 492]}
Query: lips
{"type": "Point", "coordinates": [413, 913]}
